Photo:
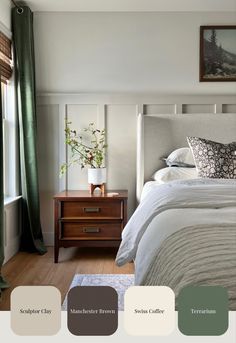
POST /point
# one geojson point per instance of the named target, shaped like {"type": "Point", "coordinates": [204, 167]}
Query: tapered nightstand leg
{"type": "Point", "coordinates": [56, 254]}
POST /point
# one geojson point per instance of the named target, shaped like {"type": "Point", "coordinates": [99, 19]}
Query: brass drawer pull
{"type": "Point", "coordinates": [91, 230]}
{"type": "Point", "coordinates": [91, 209]}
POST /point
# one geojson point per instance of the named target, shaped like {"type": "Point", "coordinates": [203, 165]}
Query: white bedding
{"type": "Point", "coordinates": [168, 174]}
{"type": "Point", "coordinates": [196, 196]}
{"type": "Point", "coordinates": [148, 187]}
{"type": "Point", "coordinates": [170, 221]}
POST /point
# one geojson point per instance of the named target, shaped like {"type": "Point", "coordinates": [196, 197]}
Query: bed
{"type": "Point", "coordinates": [183, 231]}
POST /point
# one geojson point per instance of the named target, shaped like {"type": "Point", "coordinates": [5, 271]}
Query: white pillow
{"type": "Point", "coordinates": [168, 174]}
{"type": "Point", "coordinates": [181, 156]}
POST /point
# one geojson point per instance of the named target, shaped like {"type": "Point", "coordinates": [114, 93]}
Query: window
{"type": "Point", "coordinates": [5, 154]}
{"type": "Point", "coordinates": [5, 58]}
{"type": "Point", "coordinates": [9, 119]}
{"type": "Point", "coordinates": [9, 141]}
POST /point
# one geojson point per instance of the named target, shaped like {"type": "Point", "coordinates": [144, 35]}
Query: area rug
{"type": "Point", "coordinates": [121, 282]}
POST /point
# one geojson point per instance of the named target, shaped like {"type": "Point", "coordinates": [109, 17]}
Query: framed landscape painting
{"type": "Point", "coordinates": [218, 53]}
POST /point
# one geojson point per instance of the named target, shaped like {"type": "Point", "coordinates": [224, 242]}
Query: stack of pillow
{"type": "Point", "coordinates": [203, 158]}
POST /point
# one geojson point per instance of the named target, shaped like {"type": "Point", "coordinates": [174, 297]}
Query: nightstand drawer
{"type": "Point", "coordinates": [95, 209]}
{"type": "Point", "coordinates": [98, 230]}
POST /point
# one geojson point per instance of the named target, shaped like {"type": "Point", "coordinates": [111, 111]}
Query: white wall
{"type": "Point", "coordinates": [112, 53]}
{"type": "Point", "coordinates": [123, 52]}
{"type": "Point", "coordinates": [119, 118]}
{"type": "Point", "coordinates": [118, 113]}
{"type": "Point", "coordinates": [132, 5]}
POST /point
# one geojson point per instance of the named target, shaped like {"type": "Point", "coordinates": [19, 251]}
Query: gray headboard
{"type": "Point", "coordinates": [159, 134]}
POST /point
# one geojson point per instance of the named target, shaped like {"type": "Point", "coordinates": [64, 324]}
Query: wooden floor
{"type": "Point", "coordinates": [32, 269]}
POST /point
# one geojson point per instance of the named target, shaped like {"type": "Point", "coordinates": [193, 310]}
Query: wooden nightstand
{"type": "Point", "coordinates": [82, 219]}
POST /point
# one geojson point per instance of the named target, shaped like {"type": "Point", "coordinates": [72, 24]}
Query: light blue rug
{"type": "Point", "coordinates": [121, 282]}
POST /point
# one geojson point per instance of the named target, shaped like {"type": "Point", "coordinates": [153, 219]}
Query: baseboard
{"type": "Point", "coordinates": [11, 249]}
{"type": "Point", "coordinates": [48, 239]}
{"type": "Point", "coordinates": [12, 229]}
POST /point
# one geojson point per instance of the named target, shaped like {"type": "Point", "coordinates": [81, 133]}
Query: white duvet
{"type": "Point", "coordinates": [168, 208]}
{"type": "Point", "coordinates": [170, 221]}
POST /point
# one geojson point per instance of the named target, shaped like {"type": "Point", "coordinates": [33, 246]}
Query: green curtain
{"type": "Point", "coordinates": [23, 42]}
{"type": "Point", "coordinates": [3, 283]}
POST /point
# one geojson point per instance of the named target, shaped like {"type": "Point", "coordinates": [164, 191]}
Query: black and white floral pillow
{"type": "Point", "coordinates": [213, 160]}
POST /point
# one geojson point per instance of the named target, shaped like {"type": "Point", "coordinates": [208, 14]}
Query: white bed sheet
{"type": "Point", "coordinates": [148, 186]}
{"type": "Point", "coordinates": [166, 175]}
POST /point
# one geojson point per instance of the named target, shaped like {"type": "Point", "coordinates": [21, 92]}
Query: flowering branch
{"type": "Point", "coordinates": [86, 155]}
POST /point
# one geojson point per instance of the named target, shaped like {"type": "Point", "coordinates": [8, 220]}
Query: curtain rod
{"type": "Point", "coordinates": [19, 8]}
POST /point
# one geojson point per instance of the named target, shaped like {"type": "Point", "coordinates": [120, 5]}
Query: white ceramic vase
{"type": "Point", "coordinates": [97, 176]}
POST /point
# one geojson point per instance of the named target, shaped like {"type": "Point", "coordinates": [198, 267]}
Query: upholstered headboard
{"type": "Point", "coordinates": [159, 134]}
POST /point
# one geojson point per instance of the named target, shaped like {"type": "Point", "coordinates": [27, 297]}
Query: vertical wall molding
{"type": "Point", "coordinates": [118, 113]}
{"type": "Point", "coordinates": [63, 181]}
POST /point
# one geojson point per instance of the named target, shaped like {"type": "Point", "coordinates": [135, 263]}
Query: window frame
{"type": "Point", "coordinates": [5, 152]}
{"type": "Point", "coordinates": [10, 150]}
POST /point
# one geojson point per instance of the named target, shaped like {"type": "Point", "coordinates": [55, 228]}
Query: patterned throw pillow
{"type": "Point", "coordinates": [213, 160]}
